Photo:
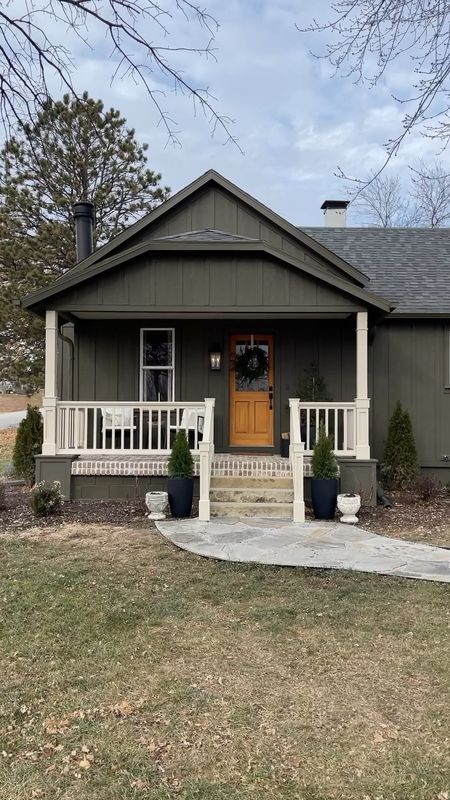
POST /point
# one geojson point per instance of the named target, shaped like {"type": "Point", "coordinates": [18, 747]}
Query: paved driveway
{"type": "Point", "coordinates": [11, 419]}
{"type": "Point", "coordinates": [311, 544]}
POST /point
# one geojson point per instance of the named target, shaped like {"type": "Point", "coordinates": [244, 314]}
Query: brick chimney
{"type": "Point", "coordinates": [335, 213]}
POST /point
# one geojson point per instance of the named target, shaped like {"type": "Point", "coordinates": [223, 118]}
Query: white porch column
{"type": "Point", "coordinates": [362, 401]}
{"type": "Point", "coordinates": [50, 392]}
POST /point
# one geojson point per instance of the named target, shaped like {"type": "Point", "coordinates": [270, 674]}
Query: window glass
{"type": "Point", "coordinates": [157, 385]}
{"type": "Point", "coordinates": [256, 374]}
{"type": "Point", "coordinates": [157, 348]}
{"type": "Point", "coordinates": [157, 365]}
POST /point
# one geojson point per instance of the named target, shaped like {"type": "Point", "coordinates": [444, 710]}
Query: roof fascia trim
{"type": "Point", "coordinates": [72, 280]}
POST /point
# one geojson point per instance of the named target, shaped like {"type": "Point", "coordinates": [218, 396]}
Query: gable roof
{"type": "Point", "coordinates": [205, 235]}
{"type": "Point", "coordinates": [172, 245]}
{"type": "Point", "coordinates": [213, 177]}
{"type": "Point", "coordinates": [411, 266]}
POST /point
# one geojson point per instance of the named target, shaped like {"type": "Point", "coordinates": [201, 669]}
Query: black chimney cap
{"type": "Point", "coordinates": [334, 204]}
{"type": "Point", "coordinates": [83, 208]}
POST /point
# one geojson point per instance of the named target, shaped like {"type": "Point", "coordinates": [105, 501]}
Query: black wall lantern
{"type": "Point", "coordinates": [215, 357]}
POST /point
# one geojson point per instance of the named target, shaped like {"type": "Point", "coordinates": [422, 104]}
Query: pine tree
{"type": "Point", "coordinates": [75, 150]}
{"type": "Point", "coordinates": [399, 465]}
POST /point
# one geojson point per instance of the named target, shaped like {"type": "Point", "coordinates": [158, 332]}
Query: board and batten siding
{"type": "Point", "coordinates": [192, 281]}
{"type": "Point", "coordinates": [408, 362]}
{"type": "Point", "coordinates": [217, 209]}
{"type": "Point", "coordinates": [106, 364]}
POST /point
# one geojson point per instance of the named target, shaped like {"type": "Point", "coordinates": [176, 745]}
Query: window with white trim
{"type": "Point", "coordinates": [157, 382]}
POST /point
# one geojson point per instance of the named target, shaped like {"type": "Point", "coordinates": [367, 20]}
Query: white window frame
{"type": "Point", "coordinates": [447, 359]}
{"type": "Point", "coordinates": [142, 368]}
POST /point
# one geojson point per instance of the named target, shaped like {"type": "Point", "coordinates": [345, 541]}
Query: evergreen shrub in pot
{"type": "Point", "coordinates": [180, 483]}
{"type": "Point", "coordinates": [324, 485]}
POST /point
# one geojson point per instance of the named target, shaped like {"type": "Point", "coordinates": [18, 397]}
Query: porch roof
{"type": "Point", "coordinates": [203, 242]}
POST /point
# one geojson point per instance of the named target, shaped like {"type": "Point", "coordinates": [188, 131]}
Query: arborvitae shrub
{"type": "Point", "coordinates": [399, 465]}
{"type": "Point", "coordinates": [28, 444]}
{"type": "Point", "coordinates": [180, 464]}
{"type": "Point", "coordinates": [324, 464]}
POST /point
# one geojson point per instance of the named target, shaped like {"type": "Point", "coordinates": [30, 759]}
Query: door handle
{"type": "Point", "coordinates": [270, 398]}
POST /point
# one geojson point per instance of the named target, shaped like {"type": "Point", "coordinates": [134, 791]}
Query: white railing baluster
{"type": "Point", "coordinates": [94, 430]}
{"type": "Point", "coordinates": [86, 428]}
{"type": "Point", "coordinates": [330, 414]}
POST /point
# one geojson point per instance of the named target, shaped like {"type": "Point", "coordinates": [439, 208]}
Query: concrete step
{"type": "Point", "coordinates": [243, 482]}
{"type": "Point", "coordinates": [257, 510]}
{"type": "Point", "coordinates": [244, 494]}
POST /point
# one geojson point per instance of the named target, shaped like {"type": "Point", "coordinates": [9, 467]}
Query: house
{"type": "Point", "coordinates": [206, 314]}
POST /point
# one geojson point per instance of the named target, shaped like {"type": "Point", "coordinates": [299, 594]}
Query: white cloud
{"type": "Point", "coordinates": [294, 122]}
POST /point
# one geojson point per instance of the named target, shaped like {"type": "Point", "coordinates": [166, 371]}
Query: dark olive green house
{"type": "Point", "coordinates": [216, 315]}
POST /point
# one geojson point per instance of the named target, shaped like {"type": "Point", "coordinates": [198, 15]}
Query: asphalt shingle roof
{"type": "Point", "coordinates": [408, 266]}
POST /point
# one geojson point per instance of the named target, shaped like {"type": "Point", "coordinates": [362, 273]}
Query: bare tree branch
{"type": "Point", "coordinates": [366, 38]}
{"type": "Point", "coordinates": [30, 57]}
{"type": "Point", "coordinates": [430, 187]}
{"type": "Point", "coordinates": [383, 201]}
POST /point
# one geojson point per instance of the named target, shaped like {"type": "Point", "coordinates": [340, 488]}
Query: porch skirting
{"type": "Point", "coordinates": [224, 465]}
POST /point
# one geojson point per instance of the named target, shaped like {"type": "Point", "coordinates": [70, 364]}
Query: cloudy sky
{"type": "Point", "coordinates": [294, 122]}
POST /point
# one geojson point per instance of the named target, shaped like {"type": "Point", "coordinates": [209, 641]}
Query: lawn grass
{"type": "Point", "coordinates": [130, 669]}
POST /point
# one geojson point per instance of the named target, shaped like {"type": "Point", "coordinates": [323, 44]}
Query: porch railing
{"type": "Point", "coordinates": [339, 420]}
{"type": "Point", "coordinates": [142, 428]}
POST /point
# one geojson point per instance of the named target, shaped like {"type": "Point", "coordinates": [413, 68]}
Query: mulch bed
{"type": "Point", "coordinates": [18, 515]}
{"type": "Point", "coordinates": [409, 518]}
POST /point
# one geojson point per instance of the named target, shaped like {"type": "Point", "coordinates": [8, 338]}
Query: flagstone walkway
{"type": "Point", "coordinates": [329, 545]}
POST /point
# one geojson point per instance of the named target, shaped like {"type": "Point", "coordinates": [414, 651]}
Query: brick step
{"type": "Point", "coordinates": [239, 482]}
{"type": "Point", "coordinates": [256, 510]}
{"type": "Point", "coordinates": [257, 494]}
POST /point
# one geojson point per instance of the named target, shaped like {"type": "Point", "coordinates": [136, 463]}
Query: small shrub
{"type": "Point", "coordinates": [324, 464]}
{"type": "Point", "coordinates": [425, 488]}
{"type": "Point", "coordinates": [181, 464]}
{"type": "Point", "coordinates": [399, 465]}
{"type": "Point", "coordinates": [28, 444]}
{"type": "Point", "coordinates": [46, 498]}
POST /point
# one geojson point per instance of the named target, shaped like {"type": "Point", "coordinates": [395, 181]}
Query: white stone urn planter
{"type": "Point", "coordinates": [349, 505]}
{"type": "Point", "coordinates": [156, 503]}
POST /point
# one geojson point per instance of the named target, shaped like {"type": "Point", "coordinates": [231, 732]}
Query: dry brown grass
{"type": "Point", "coordinates": [130, 669]}
{"type": "Point", "coordinates": [19, 402]}
{"type": "Point", "coordinates": [7, 439]}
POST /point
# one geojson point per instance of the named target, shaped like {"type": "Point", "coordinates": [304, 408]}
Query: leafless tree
{"type": "Point", "coordinates": [366, 38]}
{"type": "Point", "coordinates": [31, 53]}
{"type": "Point", "coordinates": [381, 201]}
{"type": "Point", "coordinates": [430, 189]}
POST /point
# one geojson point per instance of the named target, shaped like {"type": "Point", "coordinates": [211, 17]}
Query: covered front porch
{"type": "Point", "coordinates": [113, 437]}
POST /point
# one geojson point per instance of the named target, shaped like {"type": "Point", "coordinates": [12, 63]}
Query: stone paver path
{"type": "Point", "coordinates": [327, 545]}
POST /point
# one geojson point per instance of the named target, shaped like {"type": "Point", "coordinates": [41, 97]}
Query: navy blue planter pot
{"type": "Point", "coordinates": [324, 497]}
{"type": "Point", "coordinates": [180, 491]}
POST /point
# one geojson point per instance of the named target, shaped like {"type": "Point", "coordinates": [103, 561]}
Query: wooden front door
{"type": "Point", "coordinates": [251, 390]}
